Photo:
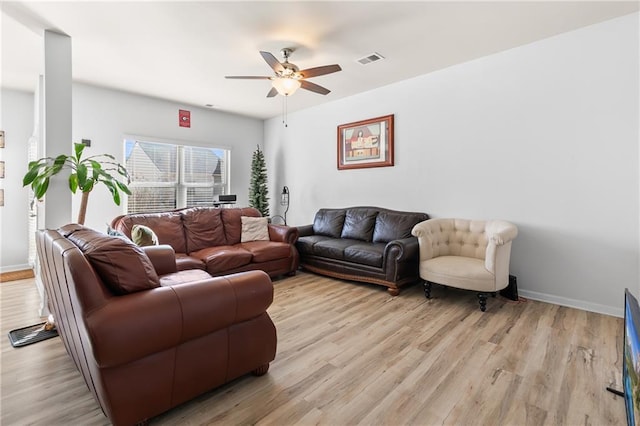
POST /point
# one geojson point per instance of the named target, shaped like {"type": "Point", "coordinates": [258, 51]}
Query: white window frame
{"type": "Point", "coordinates": [181, 187]}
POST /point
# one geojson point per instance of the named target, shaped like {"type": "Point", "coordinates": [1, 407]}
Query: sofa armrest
{"type": "Point", "coordinates": [162, 257]}
{"type": "Point", "coordinates": [305, 230]}
{"type": "Point", "coordinates": [140, 324]}
{"type": "Point", "coordinates": [402, 250]}
{"type": "Point", "coordinates": [500, 232]}
{"type": "Point", "coordinates": [424, 232]}
{"type": "Point", "coordinates": [135, 325]}
{"type": "Point", "coordinates": [283, 233]}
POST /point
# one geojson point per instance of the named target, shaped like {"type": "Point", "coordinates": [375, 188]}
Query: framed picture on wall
{"type": "Point", "coordinates": [1, 169]}
{"type": "Point", "coordinates": [367, 143]}
{"type": "Point", "coordinates": [1, 138]}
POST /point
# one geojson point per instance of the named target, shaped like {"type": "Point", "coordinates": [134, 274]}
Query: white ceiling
{"type": "Point", "coordinates": [182, 50]}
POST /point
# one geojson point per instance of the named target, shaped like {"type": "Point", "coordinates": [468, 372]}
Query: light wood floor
{"type": "Point", "coordinates": [351, 354]}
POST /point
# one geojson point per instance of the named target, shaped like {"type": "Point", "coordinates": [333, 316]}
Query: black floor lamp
{"type": "Point", "coordinates": [284, 201]}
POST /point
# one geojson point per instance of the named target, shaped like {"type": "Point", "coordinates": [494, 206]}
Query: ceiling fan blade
{"type": "Point", "coordinates": [314, 87]}
{"type": "Point", "coordinates": [272, 92]}
{"type": "Point", "coordinates": [272, 61]}
{"type": "Point", "coordinates": [315, 72]}
{"type": "Point", "coordinates": [247, 77]}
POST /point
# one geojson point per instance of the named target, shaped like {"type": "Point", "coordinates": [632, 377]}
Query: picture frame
{"type": "Point", "coordinates": [1, 138]}
{"type": "Point", "coordinates": [1, 169]}
{"type": "Point", "coordinates": [366, 143]}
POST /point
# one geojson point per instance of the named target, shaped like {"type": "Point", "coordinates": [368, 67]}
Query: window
{"type": "Point", "coordinates": [167, 176]}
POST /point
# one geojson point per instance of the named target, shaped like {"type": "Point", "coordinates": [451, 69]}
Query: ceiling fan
{"type": "Point", "coordinates": [288, 78]}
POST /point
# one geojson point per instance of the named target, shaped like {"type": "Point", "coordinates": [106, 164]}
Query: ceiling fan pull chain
{"type": "Point", "coordinates": [284, 111]}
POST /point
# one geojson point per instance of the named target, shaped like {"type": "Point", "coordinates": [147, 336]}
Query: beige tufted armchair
{"type": "Point", "coordinates": [467, 254]}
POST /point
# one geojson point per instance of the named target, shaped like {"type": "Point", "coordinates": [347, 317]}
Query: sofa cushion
{"type": "Point", "coordinates": [143, 236]}
{"type": "Point", "coordinates": [333, 248]}
{"type": "Point", "coordinates": [183, 277]}
{"type": "Point", "coordinates": [233, 223]}
{"type": "Point", "coordinates": [254, 229]}
{"type": "Point", "coordinates": [305, 245]}
{"type": "Point", "coordinates": [184, 262]}
{"type": "Point", "coordinates": [365, 254]}
{"type": "Point", "coordinates": [123, 266]}
{"type": "Point", "coordinates": [329, 222]}
{"type": "Point", "coordinates": [265, 251]}
{"type": "Point", "coordinates": [395, 226]}
{"type": "Point", "coordinates": [358, 224]}
{"type": "Point", "coordinates": [203, 228]}
{"type": "Point", "coordinates": [223, 258]}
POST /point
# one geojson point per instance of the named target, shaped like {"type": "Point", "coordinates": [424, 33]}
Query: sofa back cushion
{"type": "Point", "coordinates": [359, 223]}
{"type": "Point", "coordinates": [167, 226]}
{"type": "Point", "coordinates": [231, 218]}
{"type": "Point", "coordinates": [203, 228]}
{"type": "Point", "coordinates": [392, 225]}
{"type": "Point", "coordinates": [123, 266]}
{"type": "Point", "coordinates": [459, 237]}
{"type": "Point", "coordinates": [329, 222]}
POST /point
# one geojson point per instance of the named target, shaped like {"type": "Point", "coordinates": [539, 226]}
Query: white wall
{"type": "Point", "coordinates": [16, 119]}
{"type": "Point", "coordinates": [106, 116]}
{"type": "Point", "coordinates": [545, 135]}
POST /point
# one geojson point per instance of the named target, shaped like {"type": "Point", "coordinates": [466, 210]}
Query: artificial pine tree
{"type": "Point", "coordinates": [258, 186]}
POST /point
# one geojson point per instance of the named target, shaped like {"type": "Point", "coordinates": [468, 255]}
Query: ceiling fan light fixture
{"type": "Point", "coordinates": [286, 86]}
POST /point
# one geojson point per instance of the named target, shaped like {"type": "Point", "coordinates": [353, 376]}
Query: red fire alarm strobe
{"type": "Point", "coordinates": [184, 118]}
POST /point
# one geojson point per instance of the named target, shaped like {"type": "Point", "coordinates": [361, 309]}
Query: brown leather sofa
{"type": "Point", "coordinates": [210, 239]}
{"type": "Point", "coordinates": [146, 340]}
{"type": "Point", "coordinates": [367, 244]}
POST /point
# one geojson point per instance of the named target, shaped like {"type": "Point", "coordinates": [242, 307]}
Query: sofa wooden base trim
{"type": "Point", "coordinates": [393, 288]}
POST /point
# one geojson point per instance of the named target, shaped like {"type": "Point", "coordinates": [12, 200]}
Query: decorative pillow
{"type": "Point", "coordinates": [143, 236]}
{"type": "Point", "coordinates": [123, 266]}
{"type": "Point", "coordinates": [115, 233]}
{"type": "Point", "coordinates": [254, 229]}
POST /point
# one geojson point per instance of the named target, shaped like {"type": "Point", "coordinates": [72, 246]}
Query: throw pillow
{"type": "Point", "coordinates": [254, 229]}
{"type": "Point", "coordinates": [143, 236]}
{"type": "Point", "coordinates": [123, 266]}
{"type": "Point", "coordinates": [116, 233]}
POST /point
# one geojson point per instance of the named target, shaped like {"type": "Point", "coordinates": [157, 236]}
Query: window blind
{"type": "Point", "coordinates": [165, 177]}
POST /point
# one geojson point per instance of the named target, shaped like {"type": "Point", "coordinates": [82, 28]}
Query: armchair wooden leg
{"type": "Point", "coordinates": [482, 298]}
{"type": "Point", "coordinates": [427, 289]}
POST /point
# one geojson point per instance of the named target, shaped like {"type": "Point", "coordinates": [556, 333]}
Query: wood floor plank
{"type": "Point", "coordinates": [351, 354]}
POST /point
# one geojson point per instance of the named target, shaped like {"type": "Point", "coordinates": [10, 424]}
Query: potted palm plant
{"type": "Point", "coordinates": [85, 174]}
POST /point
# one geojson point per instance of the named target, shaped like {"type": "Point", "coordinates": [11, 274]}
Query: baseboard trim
{"type": "Point", "coordinates": [573, 303]}
{"type": "Point", "coordinates": [16, 275]}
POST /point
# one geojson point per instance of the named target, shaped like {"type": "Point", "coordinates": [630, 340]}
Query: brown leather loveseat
{"type": "Point", "coordinates": [145, 336]}
{"type": "Point", "coordinates": [211, 239]}
{"type": "Point", "coordinates": [367, 244]}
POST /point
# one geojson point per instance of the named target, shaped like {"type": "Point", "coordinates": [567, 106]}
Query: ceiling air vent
{"type": "Point", "coordinates": [370, 58]}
